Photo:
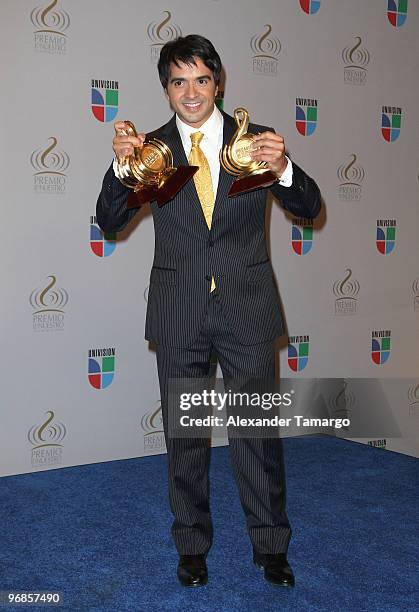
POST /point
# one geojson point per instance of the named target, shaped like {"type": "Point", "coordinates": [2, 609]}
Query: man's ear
{"type": "Point", "coordinates": [216, 91]}
{"type": "Point", "coordinates": [165, 93]}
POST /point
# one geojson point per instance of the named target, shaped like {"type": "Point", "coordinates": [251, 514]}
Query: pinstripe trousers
{"type": "Point", "coordinates": [257, 462]}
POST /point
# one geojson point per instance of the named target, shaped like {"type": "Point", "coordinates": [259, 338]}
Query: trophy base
{"type": "Point", "coordinates": [166, 192]}
{"type": "Point", "coordinates": [252, 181]}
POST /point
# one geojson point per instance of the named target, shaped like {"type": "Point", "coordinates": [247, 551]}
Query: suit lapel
{"type": "Point", "coordinates": [225, 180]}
{"type": "Point", "coordinates": [170, 135]}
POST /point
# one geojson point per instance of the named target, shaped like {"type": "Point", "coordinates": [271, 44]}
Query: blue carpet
{"type": "Point", "coordinates": [100, 534]}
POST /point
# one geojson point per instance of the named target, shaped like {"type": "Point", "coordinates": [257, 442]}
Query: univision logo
{"type": "Point", "coordinates": [386, 236]}
{"type": "Point", "coordinates": [219, 99]}
{"type": "Point", "coordinates": [50, 37]}
{"type": "Point", "coordinates": [160, 33]}
{"type": "Point", "coordinates": [346, 292]}
{"type": "Point", "coordinates": [49, 303]}
{"type": "Point", "coordinates": [351, 175]}
{"type": "Point", "coordinates": [266, 48]}
{"type": "Point", "coordinates": [391, 122]}
{"type": "Point", "coordinates": [305, 116]}
{"type": "Point", "coordinates": [101, 367]}
{"type": "Point", "coordinates": [356, 59]}
{"type": "Point", "coordinates": [302, 236]}
{"type": "Point", "coordinates": [298, 349]}
{"type": "Point", "coordinates": [378, 443]}
{"type": "Point", "coordinates": [380, 346]}
{"type": "Point", "coordinates": [46, 441]}
{"type": "Point", "coordinates": [310, 6]}
{"type": "Point", "coordinates": [397, 12]}
{"type": "Point", "coordinates": [105, 99]}
{"type": "Point", "coordinates": [102, 243]}
{"type": "Point", "coordinates": [50, 164]}
{"type": "Point", "coordinates": [152, 426]}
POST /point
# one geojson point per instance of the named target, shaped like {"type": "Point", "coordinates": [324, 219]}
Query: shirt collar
{"type": "Point", "coordinates": [211, 128]}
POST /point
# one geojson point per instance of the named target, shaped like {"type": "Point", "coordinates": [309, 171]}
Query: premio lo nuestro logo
{"type": "Point", "coordinates": [51, 26]}
{"type": "Point", "coordinates": [305, 116]}
{"type": "Point", "coordinates": [302, 236]}
{"type": "Point", "coordinates": [413, 395]}
{"type": "Point", "coordinates": [341, 404]}
{"type": "Point", "coordinates": [48, 303]}
{"type": "Point", "coordinates": [101, 367]}
{"type": "Point", "coordinates": [50, 163]}
{"type": "Point", "coordinates": [351, 175]}
{"type": "Point", "coordinates": [102, 243]}
{"type": "Point", "coordinates": [380, 347]}
{"type": "Point", "coordinates": [356, 59]}
{"type": "Point", "coordinates": [104, 100]}
{"type": "Point", "coordinates": [391, 122]}
{"type": "Point", "coordinates": [46, 440]}
{"type": "Point", "coordinates": [397, 12]}
{"type": "Point", "coordinates": [266, 48]}
{"type": "Point", "coordinates": [152, 426]}
{"type": "Point", "coordinates": [298, 349]}
{"type": "Point", "coordinates": [386, 236]}
{"type": "Point", "coordinates": [310, 6]}
{"type": "Point", "coordinates": [346, 292]}
{"type": "Point", "coordinates": [160, 33]}
{"type": "Point", "coordinates": [415, 289]}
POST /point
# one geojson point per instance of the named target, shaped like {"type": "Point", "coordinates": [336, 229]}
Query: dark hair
{"type": "Point", "coordinates": [185, 50]}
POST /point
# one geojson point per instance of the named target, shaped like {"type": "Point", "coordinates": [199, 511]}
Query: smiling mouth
{"type": "Point", "coordinates": [192, 105]}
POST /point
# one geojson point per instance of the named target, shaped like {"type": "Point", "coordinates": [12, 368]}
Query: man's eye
{"type": "Point", "coordinates": [178, 83]}
{"type": "Point", "coordinates": [202, 81]}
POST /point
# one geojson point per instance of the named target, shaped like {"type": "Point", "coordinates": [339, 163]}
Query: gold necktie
{"type": "Point", "coordinates": [202, 178]}
{"type": "Point", "coordinates": [203, 181]}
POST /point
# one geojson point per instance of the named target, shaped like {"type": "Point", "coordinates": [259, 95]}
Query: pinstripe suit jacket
{"type": "Point", "coordinates": [187, 253]}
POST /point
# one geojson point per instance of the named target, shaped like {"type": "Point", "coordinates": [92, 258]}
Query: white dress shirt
{"type": "Point", "coordinates": [212, 143]}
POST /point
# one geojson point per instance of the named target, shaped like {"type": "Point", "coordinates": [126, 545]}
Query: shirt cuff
{"type": "Point", "coordinates": [286, 177]}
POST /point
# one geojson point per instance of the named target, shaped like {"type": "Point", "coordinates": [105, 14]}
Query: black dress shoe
{"type": "Point", "coordinates": [192, 570]}
{"type": "Point", "coordinates": [276, 568]}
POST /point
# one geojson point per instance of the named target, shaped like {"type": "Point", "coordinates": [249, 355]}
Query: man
{"type": "Point", "coordinates": [212, 289]}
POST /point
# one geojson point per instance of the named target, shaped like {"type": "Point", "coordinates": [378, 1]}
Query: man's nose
{"type": "Point", "coordinates": [191, 90]}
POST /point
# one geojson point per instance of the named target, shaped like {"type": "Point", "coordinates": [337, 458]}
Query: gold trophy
{"type": "Point", "coordinates": [149, 171]}
{"type": "Point", "coordinates": [236, 159]}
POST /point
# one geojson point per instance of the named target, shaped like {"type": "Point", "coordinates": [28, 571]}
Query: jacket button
{"type": "Point", "coordinates": [208, 277]}
{"type": "Point", "coordinates": [210, 243]}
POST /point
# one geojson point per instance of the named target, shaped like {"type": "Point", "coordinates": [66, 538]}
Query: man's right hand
{"type": "Point", "coordinates": [123, 145]}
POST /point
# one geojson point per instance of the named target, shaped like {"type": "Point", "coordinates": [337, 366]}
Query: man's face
{"type": "Point", "coordinates": [191, 91]}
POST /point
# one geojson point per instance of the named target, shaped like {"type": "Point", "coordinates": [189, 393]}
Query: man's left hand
{"type": "Point", "coordinates": [270, 147]}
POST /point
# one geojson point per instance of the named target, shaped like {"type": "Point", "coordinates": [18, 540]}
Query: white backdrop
{"type": "Point", "coordinates": [62, 301]}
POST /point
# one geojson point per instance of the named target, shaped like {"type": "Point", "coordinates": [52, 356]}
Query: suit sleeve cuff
{"type": "Point", "coordinates": [286, 177]}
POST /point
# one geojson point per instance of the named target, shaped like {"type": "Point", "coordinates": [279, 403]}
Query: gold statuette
{"type": "Point", "coordinates": [236, 159]}
{"type": "Point", "coordinates": [149, 171]}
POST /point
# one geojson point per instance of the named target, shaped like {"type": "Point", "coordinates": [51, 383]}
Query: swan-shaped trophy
{"type": "Point", "coordinates": [236, 159]}
{"type": "Point", "coordinates": [149, 171]}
